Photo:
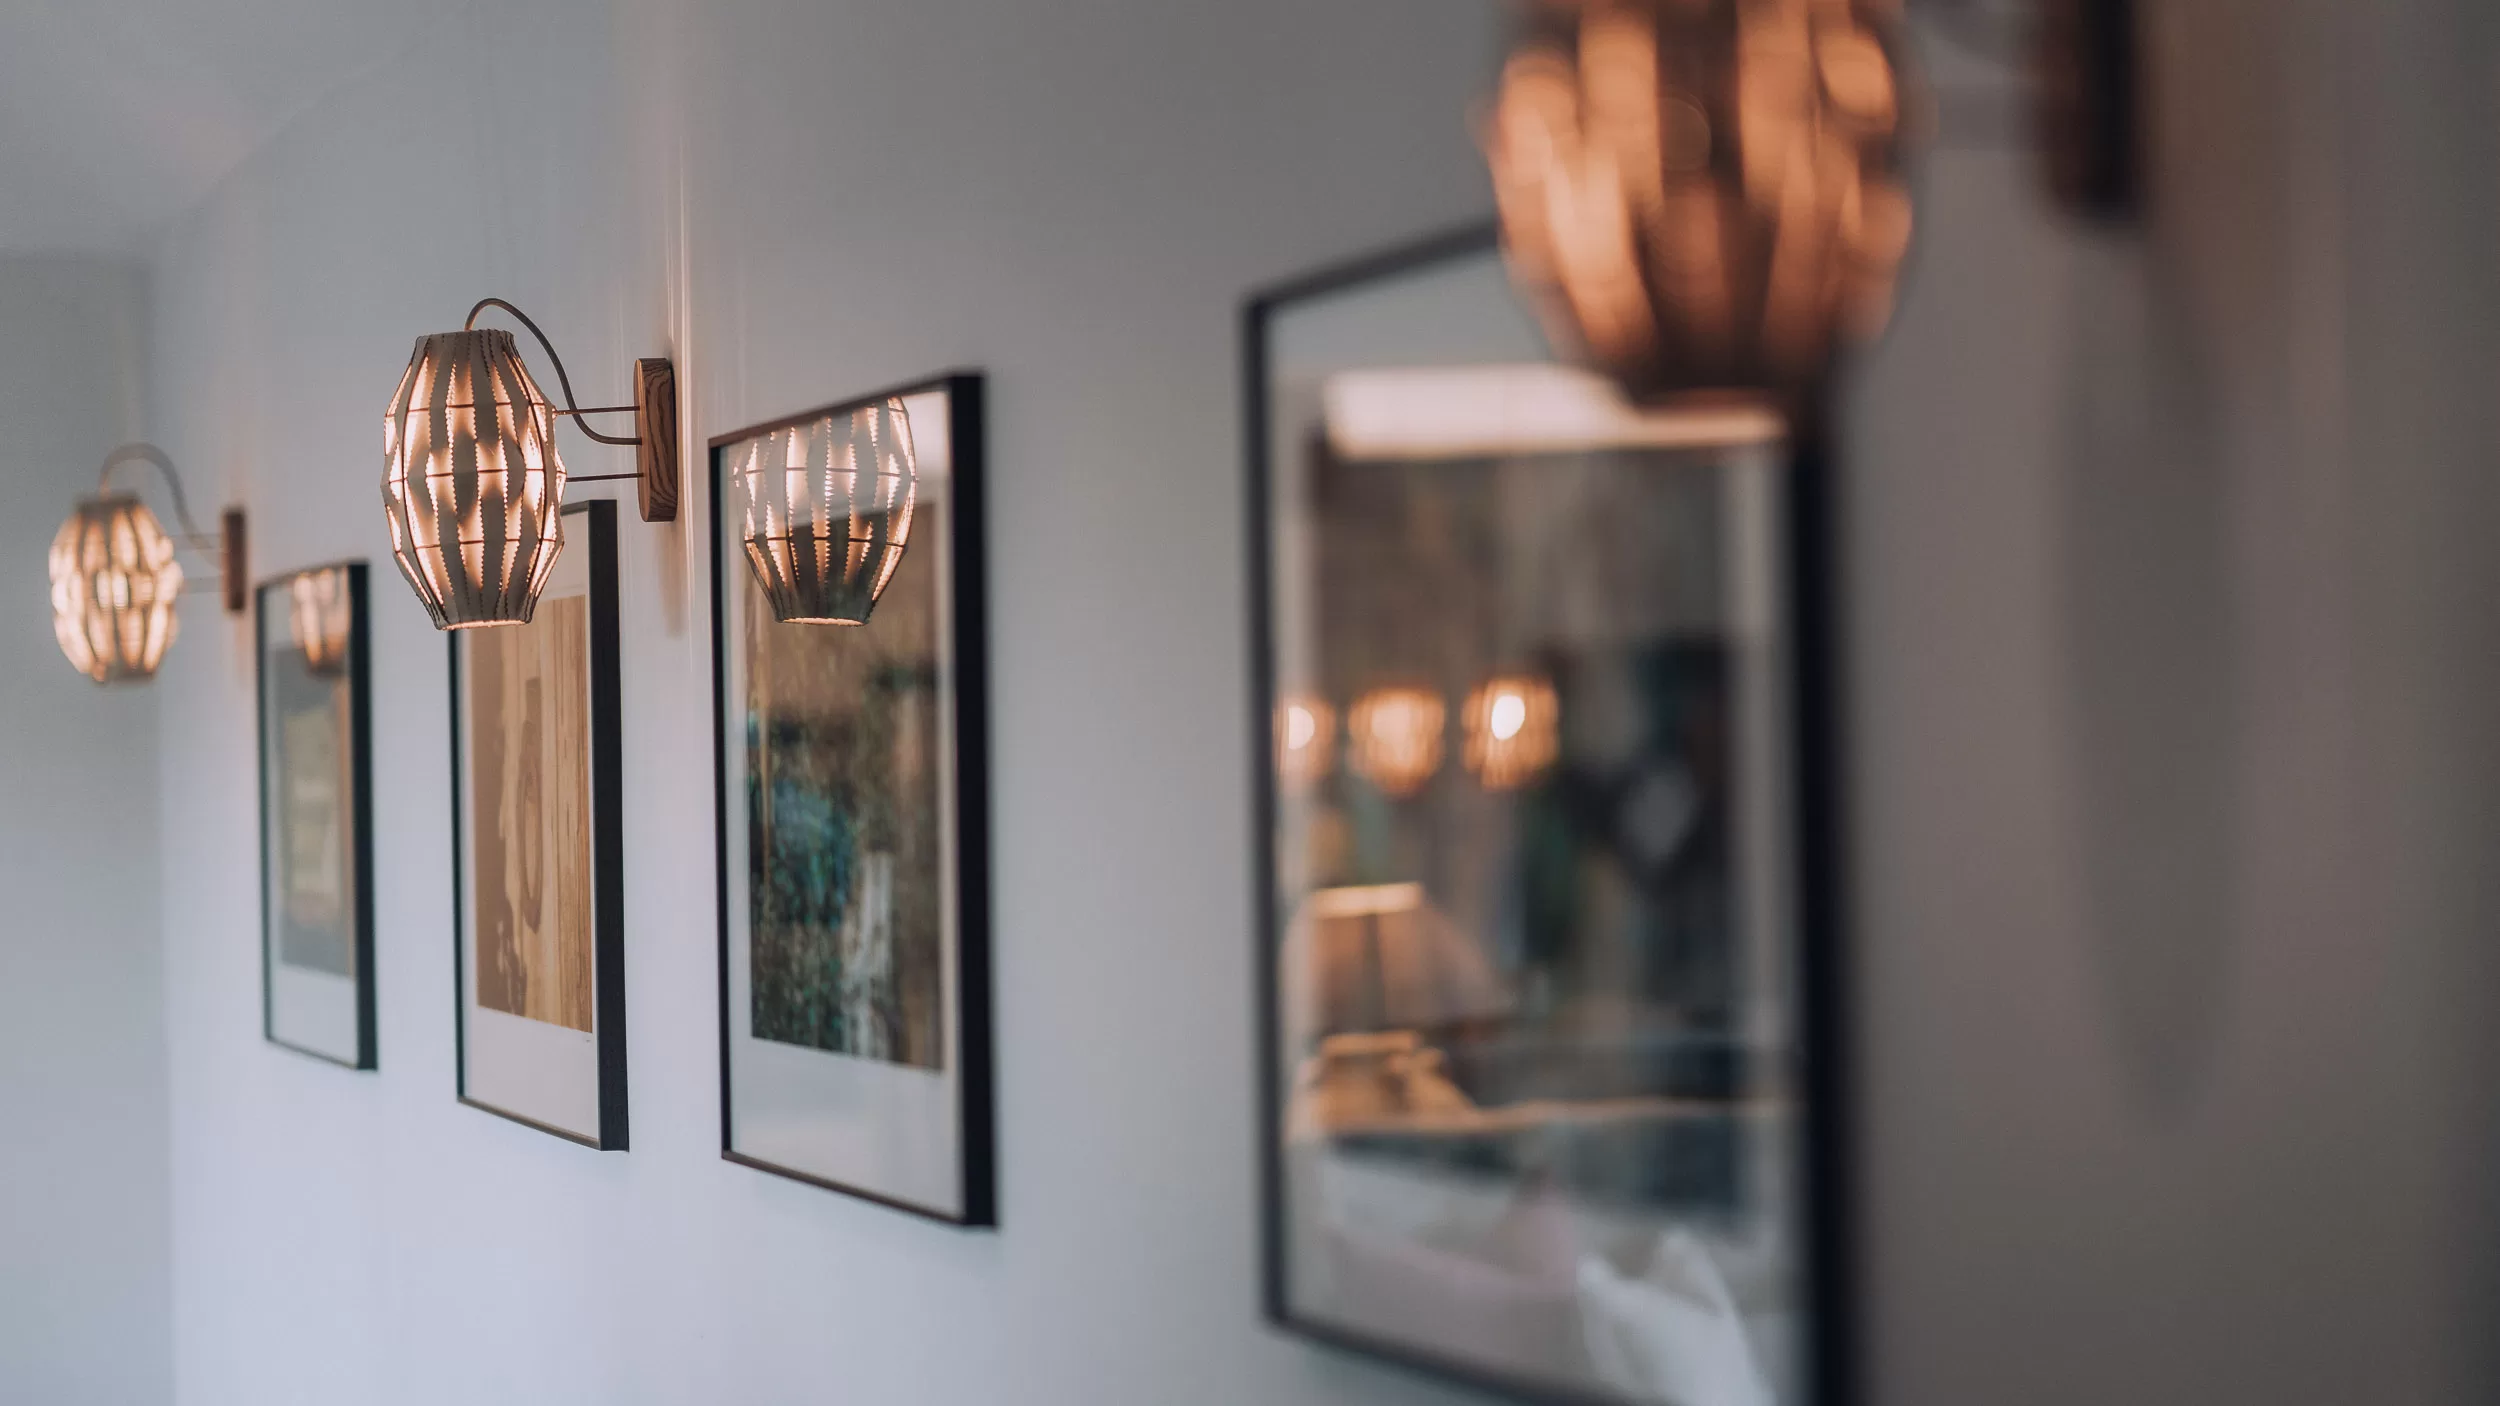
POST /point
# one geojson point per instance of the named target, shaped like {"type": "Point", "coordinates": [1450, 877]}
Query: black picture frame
{"type": "Point", "coordinates": [358, 681]}
{"type": "Point", "coordinates": [594, 534]}
{"type": "Point", "coordinates": [968, 623]}
{"type": "Point", "coordinates": [1809, 535]}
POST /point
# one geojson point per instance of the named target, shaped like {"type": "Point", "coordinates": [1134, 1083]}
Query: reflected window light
{"type": "Point", "coordinates": [1511, 733]}
{"type": "Point", "coordinates": [1395, 738]}
{"type": "Point", "coordinates": [1460, 412]}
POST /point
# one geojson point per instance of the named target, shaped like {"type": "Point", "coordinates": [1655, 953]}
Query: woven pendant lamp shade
{"type": "Point", "coordinates": [826, 510]}
{"type": "Point", "coordinates": [114, 580]}
{"type": "Point", "coordinates": [322, 616]}
{"type": "Point", "coordinates": [471, 480]}
{"type": "Point", "coordinates": [1703, 195]}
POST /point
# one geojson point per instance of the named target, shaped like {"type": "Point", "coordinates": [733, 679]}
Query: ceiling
{"type": "Point", "coordinates": [118, 115]}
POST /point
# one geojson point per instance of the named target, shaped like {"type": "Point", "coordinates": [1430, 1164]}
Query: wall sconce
{"type": "Point", "coordinates": [1510, 731]}
{"type": "Point", "coordinates": [114, 577]}
{"type": "Point", "coordinates": [1306, 741]}
{"type": "Point", "coordinates": [1395, 738]}
{"type": "Point", "coordinates": [472, 484]}
{"type": "Point", "coordinates": [321, 614]}
{"type": "Point", "coordinates": [1703, 196]}
{"type": "Point", "coordinates": [827, 510]}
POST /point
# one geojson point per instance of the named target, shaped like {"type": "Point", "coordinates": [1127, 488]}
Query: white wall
{"type": "Point", "coordinates": [84, 1288]}
{"type": "Point", "coordinates": [1073, 196]}
{"type": "Point", "coordinates": [2172, 736]}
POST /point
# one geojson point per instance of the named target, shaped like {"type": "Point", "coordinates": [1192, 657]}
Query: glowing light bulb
{"type": "Point", "coordinates": [1510, 713]}
{"type": "Point", "coordinates": [1511, 732]}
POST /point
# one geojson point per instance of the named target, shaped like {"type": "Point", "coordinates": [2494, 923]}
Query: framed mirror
{"type": "Point", "coordinates": [1547, 992]}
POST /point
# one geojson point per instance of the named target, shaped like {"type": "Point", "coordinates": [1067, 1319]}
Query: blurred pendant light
{"type": "Point", "coordinates": [1511, 737]}
{"type": "Point", "coordinates": [1703, 196]}
{"type": "Point", "coordinates": [1306, 740]}
{"type": "Point", "coordinates": [472, 485]}
{"type": "Point", "coordinates": [115, 580]}
{"type": "Point", "coordinates": [322, 617]}
{"type": "Point", "coordinates": [825, 507]}
{"type": "Point", "coordinates": [1394, 736]}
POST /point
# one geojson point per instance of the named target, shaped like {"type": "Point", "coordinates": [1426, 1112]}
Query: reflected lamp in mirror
{"type": "Point", "coordinates": [321, 613]}
{"type": "Point", "coordinates": [1702, 196]}
{"type": "Point", "coordinates": [472, 483]}
{"type": "Point", "coordinates": [1394, 736]}
{"type": "Point", "coordinates": [1306, 741]}
{"type": "Point", "coordinates": [1381, 957]}
{"type": "Point", "coordinates": [1510, 730]}
{"type": "Point", "coordinates": [115, 579]}
{"type": "Point", "coordinates": [825, 510]}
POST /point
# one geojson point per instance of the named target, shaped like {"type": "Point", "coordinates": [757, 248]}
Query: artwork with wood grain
{"type": "Point", "coordinates": [529, 797]}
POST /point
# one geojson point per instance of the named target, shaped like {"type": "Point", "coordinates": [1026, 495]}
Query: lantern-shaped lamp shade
{"type": "Point", "coordinates": [1511, 739]}
{"type": "Point", "coordinates": [1306, 740]}
{"type": "Point", "coordinates": [1703, 195]}
{"type": "Point", "coordinates": [114, 580]}
{"type": "Point", "coordinates": [471, 481]}
{"type": "Point", "coordinates": [1395, 738]}
{"type": "Point", "coordinates": [826, 510]}
{"type": "Point", "coordinates": [322, 617]}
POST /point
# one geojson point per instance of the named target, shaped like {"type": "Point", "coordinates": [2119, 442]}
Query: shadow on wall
{"type": "Point", "coordinates": [2145, 598]}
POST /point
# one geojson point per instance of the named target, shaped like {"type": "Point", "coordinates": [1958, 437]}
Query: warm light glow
{"type": "Point", "coordinates": [321, 616]}
{"type": "Point", "coordinates": [825, 509]}
{"type": "Point", "coordinates": [474, 501]}
{"type": "Point", "coordinates": [1306, 740]}
{"type": "Point", "coordinates": [1511, 733]}
{"type": "Point", "coordinates": [1703, 196]}
{"type": "Point", "coordinates": [114, 580]}
{"type": "Point", "coordinates": [1395, 734]}
{"type": "Point", "coordinates": [1456, 412]}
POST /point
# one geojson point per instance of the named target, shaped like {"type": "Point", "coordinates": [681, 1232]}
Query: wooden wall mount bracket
{"type": "Point", "coordinates": [655, 426]}
{"type": "Point", "coordinates": [234, 563]}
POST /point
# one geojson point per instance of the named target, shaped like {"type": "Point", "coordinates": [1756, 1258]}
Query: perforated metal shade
{"type": "Point", "coordinates": [825, 509]}
{"type": "Point", "coordinates": [114, 580]}
{"type": "Point", "coordinates": [1703, 195]}
{"type": "Point", "coordinates": [471, 481]}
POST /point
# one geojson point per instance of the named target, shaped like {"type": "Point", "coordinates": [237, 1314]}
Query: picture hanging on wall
{"type": "Point", "coordinates": [538, 833]}
{"type": "Point", "coordinates": [850, 691]}
{"type": "Point", "coordinates": [1544, 923]}
{"type": "Point", "coordinates": [316, 814]}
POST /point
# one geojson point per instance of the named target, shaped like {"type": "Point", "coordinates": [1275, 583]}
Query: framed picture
{"type": "Point", "coordinates": [316, 814]}
{"type": "Point", "coordinates": [1544, 902]}
{"type": "Point", "coordinates": [537, 836]}
{"type": "Point", "coordinates": [850, 688]}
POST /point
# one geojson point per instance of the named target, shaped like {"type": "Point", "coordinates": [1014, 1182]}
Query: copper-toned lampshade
{"type": "Point", "coordinates": [1306, 740]}
{"type": "Point", "coordinates": [1510, 727]}
{"type": "Point", "coordinates": [1394, 738]}
{"type": "Point", "coordinates": [322, 617]}
{"type": "Point", "coordinates": [114, 580]}
{"type": "Point", "coordinates": [471, 480]}
{"type": "Point", "coordinates": [1703, 195]}
{"type": "Point", "coordinates": [825, 507]}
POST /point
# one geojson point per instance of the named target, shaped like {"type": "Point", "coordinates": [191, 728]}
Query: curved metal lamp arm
{"type": "Point", "coordinates": [572, 407]}
{"type": "Point", "coordinates": [227, 546]}
{"type": "Point", "coordinates": [149, 453]}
